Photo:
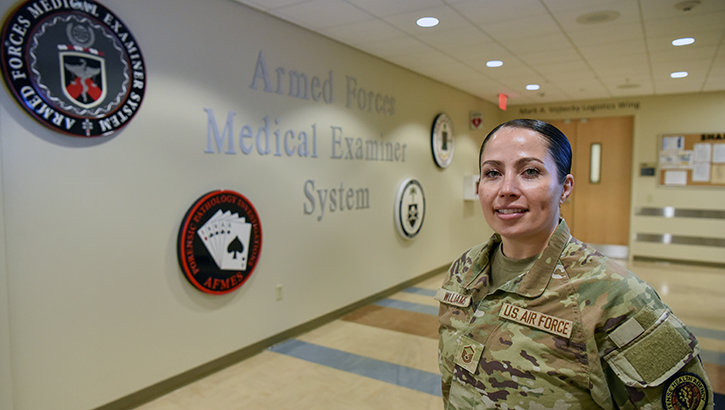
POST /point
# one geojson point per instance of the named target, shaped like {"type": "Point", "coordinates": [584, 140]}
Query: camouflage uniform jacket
{"type": "Point", "coordinates": [577, 331]}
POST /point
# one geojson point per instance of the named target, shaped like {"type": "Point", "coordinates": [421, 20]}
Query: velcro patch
{"type": "Point", "coordinates": [626, 332]}
{"type": "Point", "coordinates": [452, 298]}
{"type": "Point", "coordinates": [538, 320]}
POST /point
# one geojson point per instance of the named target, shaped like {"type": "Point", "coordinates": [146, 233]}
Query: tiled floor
{"type": "Point", "coordinates": [383, 356]}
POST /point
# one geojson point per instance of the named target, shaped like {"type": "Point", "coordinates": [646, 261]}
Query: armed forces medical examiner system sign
{"type": "Point", "coordinates": [73, 65]}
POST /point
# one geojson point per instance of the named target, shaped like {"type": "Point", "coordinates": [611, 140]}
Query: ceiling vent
{"type": "Point", "coordinates": [598, 17]}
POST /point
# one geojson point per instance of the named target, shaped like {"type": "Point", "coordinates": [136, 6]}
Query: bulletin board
{"type": "Point", "coordinates": [692, 160]}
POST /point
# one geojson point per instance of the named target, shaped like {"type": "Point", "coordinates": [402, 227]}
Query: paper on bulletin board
{"type": "Point", "coordinates": [669, 160]}
{"type": "Point", "coordinates": [686, 158]}
{"type": "Point", "coordinates": [718, 174]}
{"type": "Point", "coordinates": [701, 172]}
{"type": "Point", "coordinates": [703, 152]}
{"type": "Point", "coordinates": [676, 142]}
{"type": "Point", "coordinates": [718, 153]}
{"type": "Point", "coordinates": [675, 177]}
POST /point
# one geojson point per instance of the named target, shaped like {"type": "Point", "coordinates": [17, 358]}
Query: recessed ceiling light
{"type": "Point", "coordinates": [598, 17]}
{"type": "Point", "coordinates": [533, 87]}
{"type": "Point", "coordinates": [686, 41]}
{"type": "Point", "coordinates": [679, 74]}
{"type": "Point", "coordinates": [494, 63]}
{"type": "Point", "coordinates": [427, 22]}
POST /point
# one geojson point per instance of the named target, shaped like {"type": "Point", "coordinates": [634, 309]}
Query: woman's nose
{"type": "Point", "coordinates": [509, 186]}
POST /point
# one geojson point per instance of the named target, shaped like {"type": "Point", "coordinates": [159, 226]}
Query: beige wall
{"type": "Point", "coordinates": [654, 116]}
{"type": "Point", "coordinates": [93, 304]}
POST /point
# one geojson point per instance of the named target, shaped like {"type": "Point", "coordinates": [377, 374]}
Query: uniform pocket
{"type": "Point", "coordinates": [654, 356]}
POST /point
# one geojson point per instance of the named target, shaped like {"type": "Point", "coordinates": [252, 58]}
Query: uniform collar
{"type": "Point", "coordinates": [533, 283]}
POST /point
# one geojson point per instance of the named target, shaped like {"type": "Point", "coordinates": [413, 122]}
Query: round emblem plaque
{"type": "Point", "coordinates": [73, 66]}
{"type": "Point", "coordinates": [409, 208]}
{"type": "Point", "coordinates": [219, 242]}
{"type": "Point", "coordinates": [442, 140]}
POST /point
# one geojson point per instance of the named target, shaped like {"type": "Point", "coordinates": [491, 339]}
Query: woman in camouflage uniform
{"type": "Point", "coordinates": [535, 319]}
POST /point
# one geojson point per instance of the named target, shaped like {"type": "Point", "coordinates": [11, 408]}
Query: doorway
{"type": "Point", "coordinates": [598, 210]}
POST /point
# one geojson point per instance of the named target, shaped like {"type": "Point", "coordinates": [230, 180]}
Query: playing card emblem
{"type": "Point", "coordinates": [224, 236]}
{"type": "Point", "coordinates": [220, 241]}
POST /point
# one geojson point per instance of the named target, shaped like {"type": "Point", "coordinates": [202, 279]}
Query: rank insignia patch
{"type": "Point", "coordinates": [468, 354]}
{"type": "Point", "coordinates": [685, 391]}
{"type": "Point", "coordinates": [73, 66]}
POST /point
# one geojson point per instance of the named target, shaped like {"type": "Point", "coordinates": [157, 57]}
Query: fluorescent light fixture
{"type": "Point", "coordinates": [679, 74]}
{"type": "Point", "coordinates": [595, 163]}
{"type": "Point", "coordinates": [427, 22]}
{"type": "Point", "coordinates": [686, 41]}
{"type": "Point", "coordinates": [533, 87]}
{"type": "Point", "coordinates": [494, 63]}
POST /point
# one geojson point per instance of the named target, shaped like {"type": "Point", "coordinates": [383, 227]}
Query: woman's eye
{"type": "Point", "coordinates": [530, 172]}
{"type": "Point", "coordinates": [491, 173]}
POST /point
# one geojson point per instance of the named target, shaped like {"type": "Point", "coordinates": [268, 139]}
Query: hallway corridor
{"type": "Point", "coordinates": [384, 355]}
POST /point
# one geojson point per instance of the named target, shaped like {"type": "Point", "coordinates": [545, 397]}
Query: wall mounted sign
{"type": "Point", "coordinates": [219, 242]}
{"type": "Point", "coordinates": [409, 208]}
{"type": "Point", "coordinates": [73, 66]}
{"type": "Point", "coordinates": [442, 140]}
{"type": "Point", "coordinates": [475, 120]}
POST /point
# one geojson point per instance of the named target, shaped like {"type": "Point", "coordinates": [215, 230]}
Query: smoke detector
{"type": "Point", "coordinates": [687, 5]}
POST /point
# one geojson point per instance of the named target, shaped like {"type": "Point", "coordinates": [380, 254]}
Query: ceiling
{"type": "Point", "coordinates": [573, 49]}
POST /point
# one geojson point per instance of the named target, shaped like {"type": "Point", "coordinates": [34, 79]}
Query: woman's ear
{"type": "Point", "coordinates": [568, 188]}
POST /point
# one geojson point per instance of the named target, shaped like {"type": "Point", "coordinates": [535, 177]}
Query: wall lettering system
{"type": "Point", "coordinates": [271, 137]}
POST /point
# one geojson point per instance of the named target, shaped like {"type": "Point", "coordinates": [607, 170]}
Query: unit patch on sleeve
{"type": "Point", "coordinates": [541, 321]}
{"type": "Point", "coordinates": [685, 391]}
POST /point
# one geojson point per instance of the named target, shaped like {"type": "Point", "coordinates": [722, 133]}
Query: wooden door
{"type": "Point", "coordinates": [598, 212]}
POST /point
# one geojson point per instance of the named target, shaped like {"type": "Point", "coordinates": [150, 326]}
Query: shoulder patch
{"type": "Point", "coordinates": [685, 391]}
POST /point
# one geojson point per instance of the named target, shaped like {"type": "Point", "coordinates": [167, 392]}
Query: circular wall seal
{"type": "Point", "coordinates": [409, 208]}
{"type": "Point", "coordinates": [219, 242]}
{"type": "Point", "coordinates": [442, 140]}
{"type": "Point", "coordinates": [73, 66]}
{"type": "Point", "coordinates": [685, 391]}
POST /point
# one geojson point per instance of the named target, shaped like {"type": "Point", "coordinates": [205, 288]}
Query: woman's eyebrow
{"type": "Point", "coordinates": [491, 162]}
{"type": "Point", "coordinates": [528, 159]}
{"type": "Point", "coordinates": [519, 161]}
